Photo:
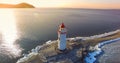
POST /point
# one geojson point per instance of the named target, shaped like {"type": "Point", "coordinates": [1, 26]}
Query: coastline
{"type": "Point", "coordinates": [93, 56]}
{"type": "Point", "coordinates": [99, 38]}
{"type": "Point", "coordinates": [111, 53]}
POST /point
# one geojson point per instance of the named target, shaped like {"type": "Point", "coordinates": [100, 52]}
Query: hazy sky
{"type": "Point", "coordinates": [115, 4]}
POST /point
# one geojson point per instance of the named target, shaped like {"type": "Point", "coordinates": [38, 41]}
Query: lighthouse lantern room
{"type": "Point", "coordinates": [62, 37]}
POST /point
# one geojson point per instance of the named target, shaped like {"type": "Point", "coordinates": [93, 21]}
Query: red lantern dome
{"type": "Point", "coordinates": [62, 25]}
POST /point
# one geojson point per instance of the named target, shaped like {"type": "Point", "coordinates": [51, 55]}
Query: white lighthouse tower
{"type": "Point", "coordinates": [62, 37]}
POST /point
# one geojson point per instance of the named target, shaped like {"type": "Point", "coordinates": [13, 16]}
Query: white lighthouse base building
{"type": "Point", "coordinates": [62, 42]}
{"type": "Point", "coordinates": [62, 37]}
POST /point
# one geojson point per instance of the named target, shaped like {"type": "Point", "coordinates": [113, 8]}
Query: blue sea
{"type": "Point", "coordinates": [36, 26]}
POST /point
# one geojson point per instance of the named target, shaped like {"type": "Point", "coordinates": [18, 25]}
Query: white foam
{"type": "Point", "coordinates": [94, 36]}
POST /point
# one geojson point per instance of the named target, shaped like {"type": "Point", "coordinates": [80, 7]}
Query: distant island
{"type": "Point", "coordinates": [21, 5]}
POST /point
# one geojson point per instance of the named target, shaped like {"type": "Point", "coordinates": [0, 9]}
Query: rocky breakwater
{"type": "Point", "coordinates": [74, 53]}
{"type": "Point", "coordinates": [49, 53]}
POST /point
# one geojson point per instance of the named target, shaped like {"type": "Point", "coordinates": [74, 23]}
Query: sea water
{"type": "Point", "coordinates": [36, 26]}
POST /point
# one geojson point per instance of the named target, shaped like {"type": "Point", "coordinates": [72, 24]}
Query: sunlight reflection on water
{"type": "Point", "coordinates": [9, 33]}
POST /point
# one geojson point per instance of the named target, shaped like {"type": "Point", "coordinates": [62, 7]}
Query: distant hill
{"type": "Point", "coordinates": [21, 5]}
